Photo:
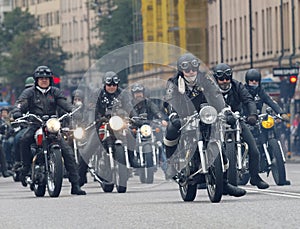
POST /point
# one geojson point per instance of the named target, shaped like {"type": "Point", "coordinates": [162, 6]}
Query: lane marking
{"type": "Point", "coordinates": [275, 193]}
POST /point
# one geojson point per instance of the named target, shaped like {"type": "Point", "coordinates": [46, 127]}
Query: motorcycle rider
{"type": "Point", "coordinates": [236, 95]}
{"type": "Point", "coordinates": [29, 82]}
{"type": "Point", "coordinates": [110, 97]}
{"type": "Point", "coordinates": [253, 84]}
{"type": "Point", "coordinates": [185, 94]}
{"type": "Point", "coordinates": [44, 99]}
{"type": "Point", "coordinates": [144, 105]}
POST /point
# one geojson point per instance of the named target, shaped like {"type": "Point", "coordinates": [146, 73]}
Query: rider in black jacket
{"type": "Point", "coordinates": [237, 96]}
{"type": "Point", "coordinates": [186, 91]}
{"type": "Point", "coordinates": [253, 84]}
{"type": "Point", "coordinates": [44, 99]}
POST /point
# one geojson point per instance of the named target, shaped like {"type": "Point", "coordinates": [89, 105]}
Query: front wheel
{"type": "Point", "coordinates": [121, 173]}
{"type": "Point", "coordinates": [214, 180]}
{"type": "Point", "coordinates": [232, 170]}
{"type": "Point", "coordinates": [147, 173]}
{"type": "Point", "coordinates": [55, 172]}
{"type": "Point", "coordinates": [277, 167]}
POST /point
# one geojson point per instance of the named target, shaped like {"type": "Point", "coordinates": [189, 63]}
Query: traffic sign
{"type": "Point", "coordinates": [285, 71]}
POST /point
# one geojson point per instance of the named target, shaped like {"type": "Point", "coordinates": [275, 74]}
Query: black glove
{"type": "Point", "coordinates": [17, 114]}
{"type": "Point", "coordinates": [103, 119]}
{"type": "Point", "coordinates": [251, 120]}
{"type": "Point", "coordinates": [230, 119]}
{"type": "Point", "coordinates": [174, 119]}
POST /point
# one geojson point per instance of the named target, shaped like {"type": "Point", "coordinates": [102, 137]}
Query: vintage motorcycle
{"type": "Point", "coordinates": [271, 153]}
{"type": "Point", "coordinates": [147, 147]}
{"type": "Point", "coordinates": [235, 149]}
{"type": "Point", "coordinates": [47, 162]}
{"type": "Point", "coordinates": [199, 158]}
{"type": "Point", "coordinates": [111, 167]}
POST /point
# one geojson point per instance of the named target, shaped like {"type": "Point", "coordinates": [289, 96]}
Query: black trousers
{"type": "Point", "coordinates": [67, 153]}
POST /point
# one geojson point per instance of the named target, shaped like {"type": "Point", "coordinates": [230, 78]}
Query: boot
{"type": "Point", "coordinates": [232, 190]}
{"type": "Point", "coordinates": [24, 172]}
{"type": "Point", "coordinates": [257, 181]}
{"type": "Point", "coordinates": [76, 190]}
{"type": "Point", "coordinates": [7, 173]}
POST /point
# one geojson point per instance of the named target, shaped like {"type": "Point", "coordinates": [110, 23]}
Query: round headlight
{"type": "Point", "coordinates": [269, 123]}
{"type": "Point", "coordinates": [78, 133]}
{"type": "Point", "coordinates": [146, 130]}
{"type": "Point", "coordinates": [208, 114]}
{"type": "Point", "coordinates": [53, 125]}
{"type": "Point", "coordinates": [116, 123]}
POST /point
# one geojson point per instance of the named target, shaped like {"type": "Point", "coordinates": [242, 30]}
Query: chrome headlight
{"type": "Point", "coordinates": [53, 125]}
{"type": "Point", "coordinates": [116, 123]}
{"type": "Point", "coordinates": [269, 123]}
{"type": "Point", "coordinates": [78, 133]}
{"type": "Point", "coordinates": [208, 114]}
{"type": "Point", "coordinates": [146, 130]}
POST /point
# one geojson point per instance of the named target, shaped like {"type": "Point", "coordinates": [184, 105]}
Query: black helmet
{"type": "Point", "coordinates": [222, 71]}
{"type": "Point", "coordinates": [252, 74]}
{"type": "Point", "coordinates": [42, 71]}
{"type": "Point", "coordinates": [187, 62]}
{"type": "Point", "coordinates": [137, 88]}
{"type": "Point", "coordinates": [111, 78]}
{"type": "Point", "coordinates": [5, 108]}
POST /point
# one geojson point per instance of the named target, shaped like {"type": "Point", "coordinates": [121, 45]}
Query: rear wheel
{"type": "Point", "coordinates": [55, 173]}
{"type": "Point", "coordinates": [187, 190]}
{"type": "Point", "coordinates": [277, 167]}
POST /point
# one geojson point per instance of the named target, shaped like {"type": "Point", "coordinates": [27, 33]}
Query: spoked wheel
{"type": "Point", "coordinates": [244, 175]}
{"type": "Point", "coordinates": [277, 167]}
{"type": "Point", "coordinates": [121, 173]}
{"type": "Point", "coordinates": [214, 181]}
{"type": "Point", "coordinates": [187, 190]}
{"type": "Point", "coordinates": [55, 173]}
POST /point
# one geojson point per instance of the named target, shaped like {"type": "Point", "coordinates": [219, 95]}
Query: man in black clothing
{"type": "Point", "coordinates": [43, 99]}
{"type": "Point", "coordinates": [236, 96]}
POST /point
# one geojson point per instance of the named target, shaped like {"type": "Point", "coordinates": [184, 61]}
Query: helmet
{"type": "Point", "coordinates": [223, 71]}
{"type": "Point", "coordinates": [252, 74]}
{"type": "Point", "coordinates": [42, 71]}
{"type": "Point", "coordinates": [187, 62]}
{"type": "Point", "coordinates": [111, 78]}
{"type": "Point", "coordinates": [5, 108]}
{"type": "Point", "coordinates": [137, 88]}
{"type": "Point", "coordinates": [29, 81]}
{"type": "Point", "coordinates": [77, 94]}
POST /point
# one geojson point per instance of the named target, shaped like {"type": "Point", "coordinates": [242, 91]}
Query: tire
{"type": "Point", "coordinates": [39, 190]}
{"type": "Point", "coordinates": [232, 173]}
{"type": "Point", "coordinates": [107, 187]}
{"type": "Point", "coordinates": [121, 173]}
{"type": "Point", "coordinates": [214, 181]}
{"type": "Point", "coordinates": [55, 172]}
{"type": "Point", "coordinates": [147, 173]}
{"type": "Point", "coordinates": [277, 167]}
{"type": "Point", "coordinates": [188, 191]}
{"type": "Point", "coordinates": [104, 172]}
{"type": "Point", "coordinates": [244, 175]}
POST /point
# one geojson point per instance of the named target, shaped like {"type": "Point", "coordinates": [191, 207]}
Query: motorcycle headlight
{"type": "Point", "coordinates": [146, 130]}
{"type": "Point", "coordinates": [116, 123]}
{"type": "Point", "coordinates": [208, 114]}
{"type": "Point", "coordinates": [78, 133]}
{"type": "Point", "coordinates": [53, 125]}
{"type": "Point", "coordinates": [269, 123]}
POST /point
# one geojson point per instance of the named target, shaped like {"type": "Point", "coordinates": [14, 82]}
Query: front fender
{"type": "Point", "coordinates": [147, 148]}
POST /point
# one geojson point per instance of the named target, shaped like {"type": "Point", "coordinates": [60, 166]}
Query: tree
{"type": "Point", "coordinates": [115, 28]}
{"type": "Point", "coordinates": [24, 47]}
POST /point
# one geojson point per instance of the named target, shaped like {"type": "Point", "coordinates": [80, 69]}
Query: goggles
{"type": "Point", "coordinates": [222, 75]}
{"type": "Point", "coordinates": [137, 88]}
{"type": "Point", "coordinates": [255, 80]}
{"type": "Point", "coordinates": [114, 80]}
{"type": "Point", "coordinates": [192, 65]}
{"type": "Point", "coordinates": [43, 72]}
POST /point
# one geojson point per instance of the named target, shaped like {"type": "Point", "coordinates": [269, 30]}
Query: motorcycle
{"type": "Point", "coordinates": [199, 159]}
{"type": "Point", "coordinates": [235, 149]}
{"type": "Point", "coordinates": [47, 162]}
{"type": "Point", "coordinates": [111, 167]}
{"type": "Point", "coordinates": [147, 147]}
{"type": "Point", "coordinates": [272, 157]}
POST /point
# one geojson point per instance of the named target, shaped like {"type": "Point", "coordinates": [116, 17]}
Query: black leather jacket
{"type": "Point", "coordinates": [183, 104]}
{"type": "Point", "coordinates": [148, 107]}
{"type": "Point", "coordinates": [34, 101]}
{"type": "Point", "coordinates": [260, 97]}
{"type": "Point", "coordinates": [108, 103]}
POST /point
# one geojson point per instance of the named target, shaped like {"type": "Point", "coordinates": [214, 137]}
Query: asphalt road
{"type": "Point", "coordinates": [157, 205]}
